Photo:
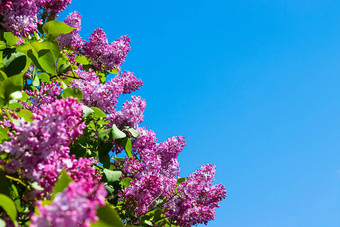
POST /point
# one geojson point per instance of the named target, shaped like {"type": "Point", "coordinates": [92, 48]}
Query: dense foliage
{"type": "Point", "coordinates": [68, 156]}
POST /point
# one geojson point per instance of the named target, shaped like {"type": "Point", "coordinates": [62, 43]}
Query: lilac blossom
{"type": "Point", "coordinates": [128, 81]}
{"type": "Point", "coordinates": [169, 151]}
{"type": "Point", "coordinates": [52, 8]}
{"type": "Point", "coordinates": [75, 206]}
{"type": "Point", "coordinates": [72, 40]}
{"type": "Point", "coordinates": [55, 125]}
{"type": "Point", "coordinates": [78, 169]}
{"type": "Point", "coordinates": [47, 94]}
{"type": "Point", "coordinates": [197, 198]}
{"type": "Point", "coordinates": [145, 140]}
{"type": "Point", "coordinates": [103, 96]}
{"type": "Point", "coordinates": [104, 55]}
{"type": "Point", "coordinates": [131, 113]}
{"type": "Point", "coordinates": [19, 16]}
{"type": "Point", "coordinates": [145, 192]}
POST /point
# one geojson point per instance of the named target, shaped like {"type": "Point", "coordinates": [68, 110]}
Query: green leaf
{"type": "Point", "coordinates": [3, 76]}
{"type": "Point", "coordinates": [4, 186]}
{"type": "Point", "coordinates": [2, 102]}
{"type": "Point", "coordinates": [2, 223]}
{"type": "Point", "coordinates": [102, 134]}
{"type": "Point", "coordinates": [46, 61]}
{"type": "Point", "coordinates": [126, 143]}
{"type": "Point", "coordinates": [109, 188]}
{"type": "Point", "coordinates": [148, 222]}
{"type": "Point", "coordinates": [102, 122]}
{"type": "Point", "coordinates": [43, 54]}
{"type": "Point", "coordinates": [2, 45]}
{"type": "Point", "coordinates": [63, 84]}
{"type": "Point", "coordinates": [54, 28]}
{"type": "Point", "coordinates": [36, 186]}
{"type": "Point", "coordinates": [26, 114]}
{"type": "Point", "coordinates": [73, 92]}
{"type": "Point", "coordinates": [108, 217]}
{"type": "Point", "coordinates": [133, 132]}
{"type": "Point", "coordinates": [105, 160]}
{"type": "Point", "coordinates": [98, 112]}
{"type": "Point", "coordinates": [20, 205]}
{"type": "Point", "coordinates": [125, 182]}
{"type": "Point", "coordinates": [112, 176]}
{"type": "Point", "coordinates": [81, 59]}
{"type": "Point", "coordinates": [10, 38]}
{"type": "Point", "coordinates": [9, 86]}
{"type": "Point", "coordinates": [24, 97]}
{"type": "Point", "coordinates": [64, 68]}
{"type": "Point", "coordinates": [116, 133]}
{"type": "Point", "coordinates": [87, 111]}
{"type": "Point", "coordinates": [61, 184]}
{"type": "Point", "coordinates": [9, 206]}
{"type": "Point", "coordinates": [36, 82]}
{"type": "Point", "coordinates": [44, 77]}
{"type": "Point", "coordinates": [14, 62]}
{"type": "Point", "coordinates": [180, 180]}
{"type": "Point", "coordinates": [114, 71]}
{"type": "Point", "coordinates": [47, 45]}
{"type": "Point", "coordinates": [16, 95]}
{"type": "Point", "coordinates": [103, 153]}
{"type": "Point", "coordinates": [3, 136]}
{"type": "Point", "coordinates": [14, 106]}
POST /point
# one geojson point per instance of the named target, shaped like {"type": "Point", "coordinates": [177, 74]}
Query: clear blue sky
{"type": "Point", "coordinates": [255, 88]}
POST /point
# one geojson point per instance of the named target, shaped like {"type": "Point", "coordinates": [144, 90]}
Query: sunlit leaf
{"type": "Point", "coordinates": [54, 28]}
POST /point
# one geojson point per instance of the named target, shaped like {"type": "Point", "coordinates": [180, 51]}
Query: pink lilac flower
{"type": "Point", "coordinates": [103, 96]}
{"type": "Point", "coordinates": [19, 16]}
{"type": "Point", "coordinates": [169, 151]}
{"type": "Point", "coordinates": [52, 7]}
{"type": "Point", "coordinates": [78, 169]}
{"type": "Point", "coordinates": [75, 206]}
{"type": "Point", "coordinates": [104, 55]}
{"type": "Point", "coordinates": [145, 140]}
{"type": "Point", "coordinates": [55, 126]}
{"type": "Point", "coordinates": [145, 192]}
{"type": "Point", "coordinates": [128, 81]}
{"type": "Point", "coordinates": [131, 113]}
{"type": "Point", "coordinates": [72, 40]}
{"type": "Point", "coordinates": [47, 94]}
{"type": "Point", "coordinates": [196, 198]}
{"type": "Point", "coordinates": [150, 163]}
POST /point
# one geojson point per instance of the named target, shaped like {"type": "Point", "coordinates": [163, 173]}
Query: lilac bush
{"type": "Point", "coordinates": [68, 155]}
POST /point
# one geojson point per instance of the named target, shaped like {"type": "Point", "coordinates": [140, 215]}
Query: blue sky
{"type": "Point", "coordinates": [253, 85]}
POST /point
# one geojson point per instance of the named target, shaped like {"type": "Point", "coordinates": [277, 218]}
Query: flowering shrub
{"type": "Point", "coordinates": [68, 157]}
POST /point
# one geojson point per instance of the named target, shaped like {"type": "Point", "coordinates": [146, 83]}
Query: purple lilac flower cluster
{"type": "Point", "coordinates": [155, 176]}
{"type": "Point", "coordinates": [75, 206]}
{"type": "Point", "coordinates": [104, 55]}
{"type": "Point", "coordinates": [131, 113]}
{"type": "Point", "coordinates": [72, 40]}
{"type": "Point", "coordinates": [103, 96]}
{"type": "Point", "coordinates": [128, 81]}
{"type": "Point", "coordinates": [196, 198]}
{"type": "Point", "coordinates": [47, 94]}
{"type": "Point", "coordinates": [168, 151]}
{"type": "Point", "coordinates": [52, 7]}
{"type": "Point", "coordinates": [150, 178]}
{"type": "Point", "coordinates": [42, 146]}
{"type": "Point", "coordinates": [77, 169]}
{"type": "Point", "coordinates": [19, 16]}
{"type": "Point", "coordinates": [145, 193]}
